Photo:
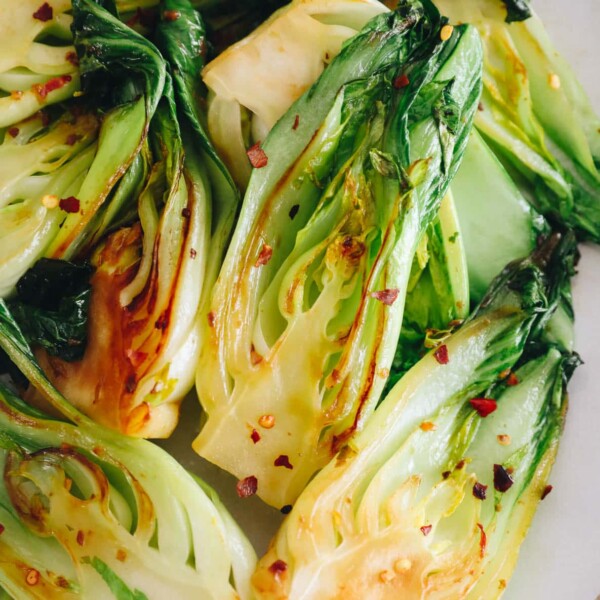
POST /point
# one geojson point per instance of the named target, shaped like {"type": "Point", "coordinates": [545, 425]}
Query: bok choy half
{"type": "Point", "coordinates": [535, 114]}
{"type": "Point", "coordinates": [168, 228]}
{"type": "Point", "coordinates": [306, 313]}
{"type": "Point", "coordinates": [89, 513]}
{"type": "Point", "coordinates": [434, 496]}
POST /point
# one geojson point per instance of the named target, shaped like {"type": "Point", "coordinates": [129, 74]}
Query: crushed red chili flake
{"type": "Point", "coordinates": [296, 122]}
{"type": "Point", "coordinates": [72, 139]}
{"type": "Point", "coordinates": [483, 406]}
{"type": "Point", "coordinates": [1, 529]}
{"type": "Point", "coordinates": [171, 15]}
{"type": "Point", "coordinates": [479, 491]}
{"type": "Point", "coordinates": [247, 487]}
{"type": "Point", "coordinates": [388, 297]}
{"type": "Point", "coordinates": [193, 253]}
{"type": "Point", "coordinates": [401, 81]}
{"type": "Point", "coordinates": [441, 354]}
{"type": "Point", "coordinates": [480, 107]}
{"type": "Point", "coordinates": [255, 436]}
{"type": "Point", "coordinates": [460, 464]}
{"type": "Point", "coordinates": [211, 319]}
{"type": "Point", "coordinates": [294, 211]}
{"type": "Point", "coordinates": [130, 384]}
{"type": "Point", "coordinates": [72, 58]}
{"type": "Point", "coordinates": [257, 156]}
{"type": "Point", "coordinates": [446, 474]}
{"type": "Point", "coordinates": [121, 555]}
{"type": "Point", "coordinates": [69, 205]}
{"type": "Point", "coordinates": [426, 529]}
{"type": "Point", "coordinates": [546, 491]}
{"type": "Point", "coordinates": [43, 89]}
{"type": "Point", "coordinates": [163, 321]}
{"type": "Point", "coordinates": [279, 566]}
{"type": "Point", "coordinates": [512, 379]}
{"type": "Point", "coordinates": [266, 252]}
{"type": "Point", "coordinates": [283, 461]}
{"type": "Point", "coordinates": [80, 537]}
{"type": "Point", "coordinates": [13, 132]}
{"type": "Point", "coordinates": [186, 213]}
{"type": "Point", "coordinates": [482, 540]}
{"type": "Point", "coordinates": [44, 13]}
{"type": "Point", "coordinates": [502, 479]}
{"type": "Point", "coordinates": [287, 509]}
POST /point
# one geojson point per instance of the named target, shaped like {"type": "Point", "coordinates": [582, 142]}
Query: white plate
{"type": "Point", "coordinates": [560, 559]}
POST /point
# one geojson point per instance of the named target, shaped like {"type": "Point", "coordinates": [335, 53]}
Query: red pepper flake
{"type": "Point", "coordinates": [80, 537]}
{"type": "Point", "coordinates": [13, 132]}
{"type": "Point", "coordinates": [247, 487]}
{"type": "Point", "coordinates": [43, 89]}
{"type": "Point", "coordinates": [130, 384]}
{"type": "Point", "coordinates": [266, 252]}
{"type": "Point", "coordinates": [296, 122]}
{"type": "Point", "coordinates": [163, 321]}
{"type": "Point", "coordinates": [255, 436]}
{"type": "Point", "coordinates": [502, 479]}
{"type": "Point", "coordinates": [193, 253]}
{"type": "Point", "coordinates": [479, 491]}
{"type": "Point", "coordinates": [446, 474]}
{"type": "Point", "coordinates": [135, 357]}
{"type": "Point", "coordinates": [72, 58]}
{"type": "Point", "coordinates": [388, 297]}
{"type": "Point", "coordinates": [484, 406]}
{"type": "Point", "coordinates": [121, 555]}
{"type": "Point", "coordinates": [2, 528]}
{"type": "Point", "coordinates": [441, 354]}
{"type": "Point", "coordinates": [171, 15]}
{"type": "Point", "coordinates": [426, 529]}
{"type": "Point", "coordinates": [283, 461]}
{"type": "Point", "coordinates": [44, 13]}
{"type": "Point", "coordinates": [428, 426]}
{"type": "Point", "coordinates": [186, 213]}
{"type": "Point", "coordinates": [32, 577]}
{"type": "Point", "coordinates": [211, 319]}
{"type": "Point", "coordinates": [72, 139]}
{"type": "Point", "coordinates": [286, 510]}
{"type": "Point", "coordinates": [70, 204]}
{"type": "Point", "coordinates": [482, 540]}
{"type": "Point", "coordinates": [278, 567]}
{"type": "Point", "coordinates": [401, 81]}
{"type": "Point", "coordinates": [512, 379]}
{"type": "Point", "coordinates": [294, 211]}
{"type": "Point", "coordinates": [480, 107]}
{"type": "Point", "coordinates": [257, 156]}
{"type": "Point", "coordinates": [546, 491]}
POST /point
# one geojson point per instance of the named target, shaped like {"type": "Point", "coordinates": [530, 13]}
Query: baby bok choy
{"type": "Point", "coordinates": [253, 83]}
{"type": "Point", "coordinates": [305, 316]}
{"type": "Point", "coordinates": [38, 63]}
{"type": "Point", "coordinates": [66, 174]}
{"type": "Point", "coordinates": [149, 275]}
{"type": "Point", "coordinates": [535, 114]}
{"type": "Point", "coordinates": [434, 496]}
{"type": "Point", "coordinates": [88, 513]}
